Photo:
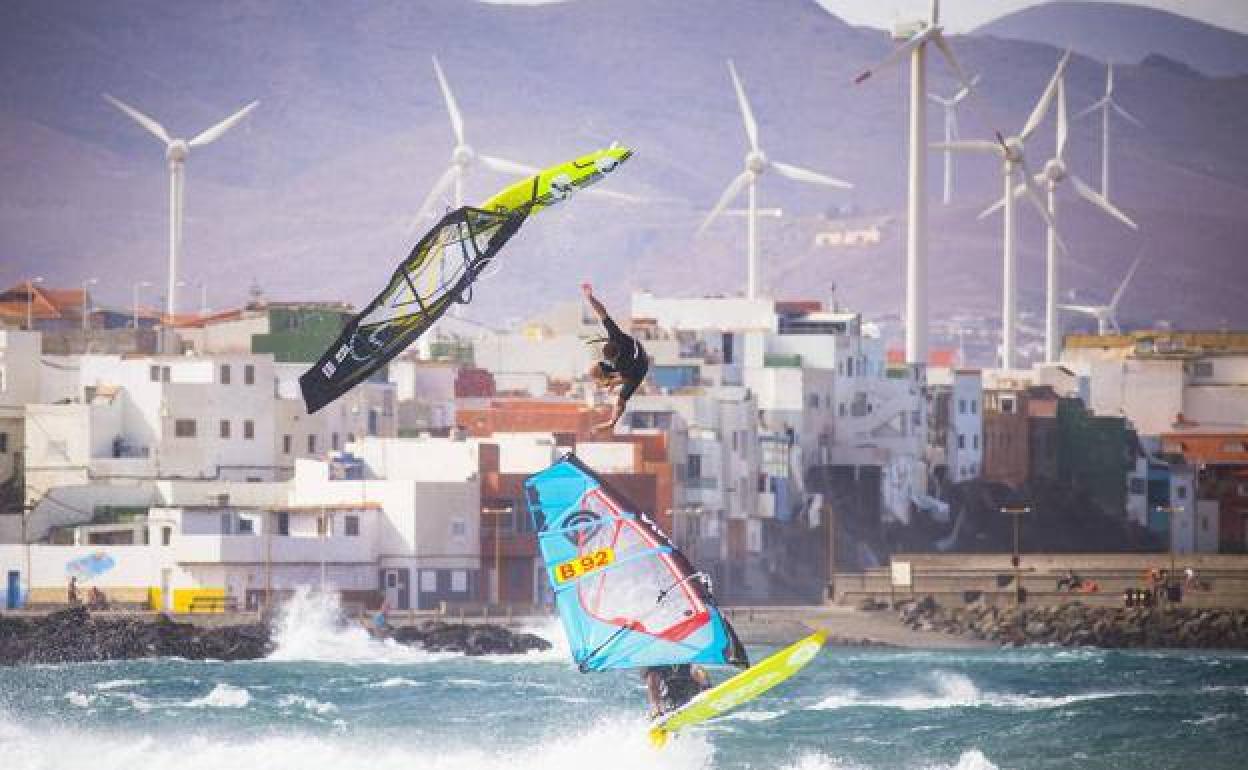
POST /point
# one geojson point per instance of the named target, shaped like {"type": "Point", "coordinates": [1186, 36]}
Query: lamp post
{"type": "Point", "coordinates": [135, 305]}
{"type": "Point", "coordinates": [1170, 511]}
{"type": "Point", "coordinates": [1016, 512]}
{"type": "Point", "coordinates": [30, 301]}
{"type": "Point", "coordinates": [86, 285]}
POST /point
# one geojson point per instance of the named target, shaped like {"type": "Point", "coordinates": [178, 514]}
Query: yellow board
{"type": "Point", "coordinates": [558, 183]}
{"type": "Point", "coordinates": [743, 687]}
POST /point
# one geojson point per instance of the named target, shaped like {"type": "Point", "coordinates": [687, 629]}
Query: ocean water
{"type": "Point", "coordinates": [333, 698]}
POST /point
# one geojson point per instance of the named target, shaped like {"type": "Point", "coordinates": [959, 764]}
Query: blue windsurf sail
{"type": "Point", "coordinates": [627, 597]}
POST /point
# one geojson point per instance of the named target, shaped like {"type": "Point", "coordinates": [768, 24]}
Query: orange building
{"type": "Point", "coordinates": [1222, 461]}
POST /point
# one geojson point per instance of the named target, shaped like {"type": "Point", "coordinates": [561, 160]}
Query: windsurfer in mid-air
{"type": "Point", "coordinates": [624, 363]}
{"type": "Point", "coordinates": [670, 687]}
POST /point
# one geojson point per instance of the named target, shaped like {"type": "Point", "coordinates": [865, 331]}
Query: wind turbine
{"type": "Point", "coordinates": [463, 157]}
{"type": "Point", "coordinates": [1107, 315]}
{"type": "Point", "coordinates": [756, 162]}
{"type": "Point", "coordinates": [176, 151]}
{"type": "Point", "coordinates": [1054, 174]}
{"type": "Point", "coordinates": [950, 105]}
{"type": "Point", "coordinates": [1105, 104]}
{"type": "Point", "coordinates": [915, 36]}
{"type": "Point", "coordinates": [1014, 170]}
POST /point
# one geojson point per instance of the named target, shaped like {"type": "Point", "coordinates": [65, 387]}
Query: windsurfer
{"type": "Point", "coordinates": [670, 687]}
{"type": "Point", "coordinates": [624, 363]}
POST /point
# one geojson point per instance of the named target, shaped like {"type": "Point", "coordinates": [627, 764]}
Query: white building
{"type": "Point", "coordinates": [19, 385]}
{"type": "Point", "coordinates": [955, 409]}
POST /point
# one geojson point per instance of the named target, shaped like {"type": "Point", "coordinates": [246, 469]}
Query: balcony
{"type": "Point", "coordinates": [782, 360]}
{"type": "Point", "coordinates": [702, 483]}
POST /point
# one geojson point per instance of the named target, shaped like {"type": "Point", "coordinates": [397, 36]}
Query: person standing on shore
{"type": "Point", "coordinates": [72, 591]}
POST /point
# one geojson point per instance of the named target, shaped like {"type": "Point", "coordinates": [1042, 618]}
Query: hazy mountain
{"type": "Point", "coordinates": [1126, 33]}
{"type": "Point", "coordinates": [312, 194]}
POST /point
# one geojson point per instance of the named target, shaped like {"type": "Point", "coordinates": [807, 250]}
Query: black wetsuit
{"type": "Point", "coordinates": [631, 361]}
{"type": "Point", "coordinates": [676, 685]}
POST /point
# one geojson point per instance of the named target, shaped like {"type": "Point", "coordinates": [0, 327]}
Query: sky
{"type": "Point", "coordinates": [963, 15]}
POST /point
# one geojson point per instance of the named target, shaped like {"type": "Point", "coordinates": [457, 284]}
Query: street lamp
{"type": "Point", "coordinates": [86, 285]}
{"type": "Point", "coordinates": [135, 288]}
{"type": "Point", "coordinates": [1170, 511]}
{"type": "Point", "coordinates": [30, 301]}
{"type": "Point", "coordinates": [1016, 512]}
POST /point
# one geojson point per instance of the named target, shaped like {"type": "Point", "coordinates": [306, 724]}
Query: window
{"type": "Point", "coordinates": [164, 374]}
{"type": "Point", "coordinates": [225, 429]}
{"type": "Point", "coordinates": [459, 528]}
{"type": "Point", "coordinates": [961, 441]}
{"type": "Point", "coordinates": [695, 466]}
{"type": "Point", "coordinates": [975, 441]}
{"type": "Point", "coordinates": [459, 581]}
{"type": "Point", "coordinates": [961, 406]}
{"type": "Point", "coordinates": [428, 581]}
{"type": "Point", "coordinates": [849, 368]}
{"type": "Point", "coordinates": [225, 374]}
{"type": "Point", "coordinates": [249, 429]}
{"type": "Point", "coordinates": [351, 526]}
{"type": "Point", "coordinates": [246, 526]}
{"type": "Point", "coordinates": [1203, 369]}
{"type": "Point", "coordinates": [154, 373]}
{"type": "Point", "coordinates": [226, 526]}
{"type": "Point", "coordinates": [812, 400]}
{"type": "Point", "coordinates": [324, 525]}
{"type": "Point", "coordinates": [166, 535]}
{"type": "Point", "coordinates": [249, 374]}
{"type": "Point", "coordinates": [311, 443]}
{"type": "Point", "coordinates": [974, 405]}
{"type": "Point", "coordinates": [4, 443]}
{"type": "Point", "coordinates": [184, 428]}
{"type": "Point", "coordinates": [333, 441]}
{"type": "Point", "coordinates": [287, 441]}
{"type": "Point", "coordinates": [1180, 492]}
{"type": "Point", "coordinates": [350, 438]}
{"type": "Point", "coordinates": [283, 523]}
{"type": "Point", "coordinates": [1007, 406]}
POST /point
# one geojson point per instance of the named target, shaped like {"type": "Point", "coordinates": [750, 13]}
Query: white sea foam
{"type": "Point", "coordinates": [115, 684]}
{"type": "Point", "coordinates": [310, 704]}
{"type": "Point", "coordinates": [79, 699]}
{"type": "Point", "coordinates": [756, 716]}
{"type": "Point", "coordinates": [223, 696]}
{"type": "Point", "coordinates": [970, 760]}
{"type": "Point", "coordinates": [311, 628]}
{"type": "Point", "coordinates": [947, 689]}
{"type": "Point", "coordinates": [395, 681]}
{"type": "Point", "coordinates": [619, 745]}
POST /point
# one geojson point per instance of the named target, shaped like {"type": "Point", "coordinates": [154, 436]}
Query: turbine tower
{"type": "Point", "coordinates": [1107, 315]}
{"type": "Point", "coordinates": [1054, 174]}
{"type": "Point", "coordinates": [1105, 104]}
{"type": "Point", "coordinates": [950, 107]}
{"type": "Point", "coordinates": [176, 151]}
{"type": "Point", "coordinates": [1014, 170]}
{"type": "Point", "coordinates": [756, 162]}
{"type": "Point", "coordinates": [916, 36]}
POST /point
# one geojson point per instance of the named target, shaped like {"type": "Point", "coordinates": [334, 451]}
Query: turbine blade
{"type": "Point", "coordinates": [968, 145]}
{"type": "Point", "coordinates": [733, 189]}
{"type": "Point", "coordinates": [751, 126]}
{"type": "Point", "coordinates": [895, 55]}
{"type": "Point", "coordinates": [457, 120]}
{"type": "Point", "coordinates": [965, 90]}
{"type": "Point", "coordinates": [993, 208]}
{"type": "Point", "coordinates": [1126, 114]}
{"type": "Point", "coordinates": [439, 187]}
{"type": "Point", "coordinates": [1109, 80]}
{"type": "Point", "coordinates": [1097, 105]}
{"type": "Point", "coordinates": [214, 133]}
{"type": "Point", "coordinates": [1113, 303]}
{"type": "Point", "coordinates": [1094, 197]}
{"type": "Point", "coordinates": [1085, 309]}
{"type": "Point", "coordinates": [1042, 106]}
{"type": "Point", "coordinates": [151, 125]}
{"type": "Point", "coordinates": [1062, 128]}
{"type": "Point", "coordinates": [943, 45]}
{"type": "Point", "coordinates": [507, 166]}
{"type": "Point", "coordinates": [804, 175]}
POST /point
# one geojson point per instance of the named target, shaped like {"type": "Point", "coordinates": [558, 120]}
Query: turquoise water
{"type": "Point", "coordinates": [335, 699]}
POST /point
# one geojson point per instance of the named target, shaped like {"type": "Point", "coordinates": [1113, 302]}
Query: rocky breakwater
{"type": "Point", "coordinates": [1074, 624]}
{"type": "Point", "coordinates": [74, 635]}
{"type": "Point", "coordinates": [485, 639]}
